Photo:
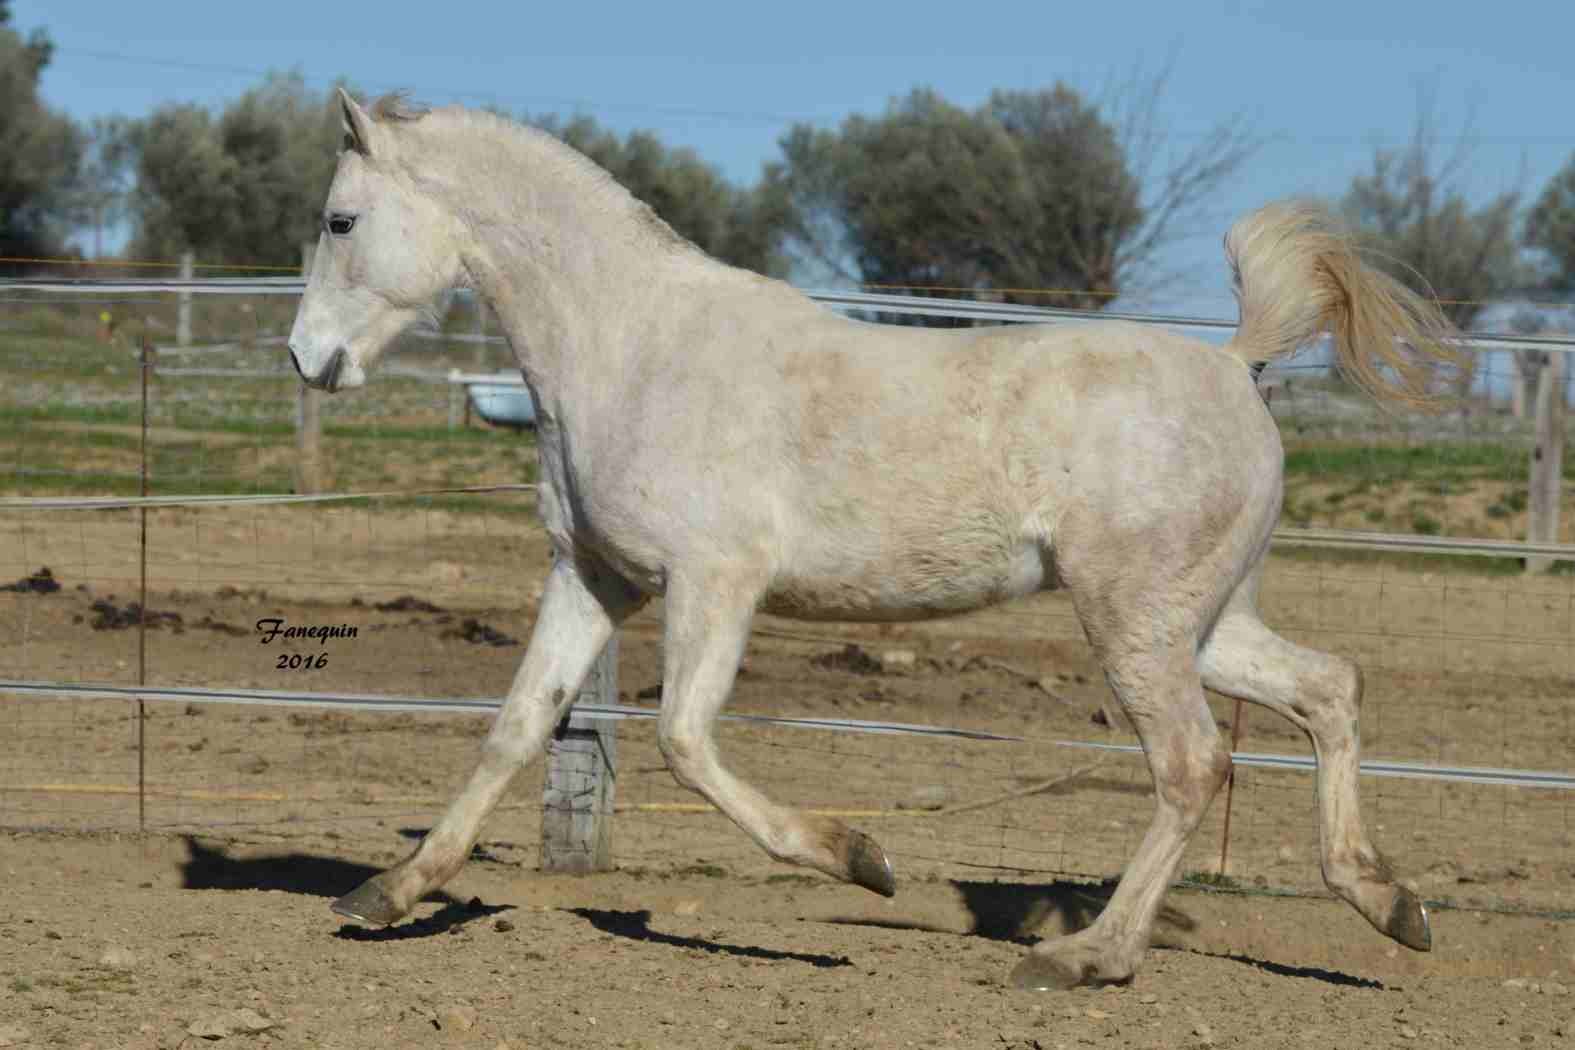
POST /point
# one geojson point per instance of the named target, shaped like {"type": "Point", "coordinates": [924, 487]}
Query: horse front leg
{"type": "Point", "coordinates": [581, 607]}
{"type": "Point", "coordinates": [706, 630]}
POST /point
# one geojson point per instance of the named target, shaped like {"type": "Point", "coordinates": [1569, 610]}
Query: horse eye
{"type": "Point", "coordinates": [339, 225]}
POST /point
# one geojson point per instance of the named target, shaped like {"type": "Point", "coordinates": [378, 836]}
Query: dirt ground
{"type": "Point", "coordinates": [214, 925]}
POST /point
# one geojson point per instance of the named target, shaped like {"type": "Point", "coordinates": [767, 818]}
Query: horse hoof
{"type": "Point", "coordinates": [1042, 973]}
{"type": "Point", "coordinates": [1408, 922]}
{"type": "Point", "coordinates": [369, 904]}
{"type": "Point", "coordinates": [868, 866]}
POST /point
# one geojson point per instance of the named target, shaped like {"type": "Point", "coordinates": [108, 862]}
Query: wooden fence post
{"type": "Point", "coordinates": [582, 762]}
{"type": "Point", "coordinates": [308, 415]}
{"type": "Point", "coordinates": [1547, 459]}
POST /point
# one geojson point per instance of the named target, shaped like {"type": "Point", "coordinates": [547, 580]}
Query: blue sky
{"type": "Point", "coordinates": [1322, 82]}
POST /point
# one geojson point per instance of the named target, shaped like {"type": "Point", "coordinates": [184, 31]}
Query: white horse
{"type": "Point", "coordinates": [716, 438]}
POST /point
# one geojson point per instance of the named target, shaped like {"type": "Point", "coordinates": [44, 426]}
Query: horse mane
{"type": "Point", "coordinates": [396, 107]}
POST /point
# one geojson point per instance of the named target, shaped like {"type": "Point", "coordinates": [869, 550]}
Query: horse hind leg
{"type": "Point", "coordinates": [1321, 694]}
{"type": "Point", "coordinates": [706, 630]}
{"type": "Point", "coordinates": [1161, 693]}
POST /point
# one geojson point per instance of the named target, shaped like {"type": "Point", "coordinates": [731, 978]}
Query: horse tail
{"type": "Point", "coordinates": [1298, 274]}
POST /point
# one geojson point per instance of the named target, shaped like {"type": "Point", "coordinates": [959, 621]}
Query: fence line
{"type": "Point", "coordinates": [619, 712]}
{"type": "Point", "coordinates": [54, 503]}
{"type": "Point", "coordinates": [923, 306]}
{"type": "Point", "coordinates": [429, 705]}
{"type": "Point", "coordinates": [1327, 539]}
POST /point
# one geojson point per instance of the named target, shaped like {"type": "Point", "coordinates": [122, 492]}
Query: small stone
{"type": "Point", "coordinates": [222, 1023]}
{"type": "Point", "coordinates": [1286, 854]}
{"type": "Point", "coordinates": [1407, 1032]}
{"type": "Point", "coordinates": [117, 958]}
{"type": "Point", "coordinates": [458, 1018]}
{"type": "Point", "coordinates": [502, 925]}
{"type": "Point", "coordinates": [721, 1024]}
{"type": "Point", "coordinates": [898, 660]}
{"type": "Point", "coordinates": [1555, 988]}
{"type": "Point", "coordinates": [1148, 998]}
{"type": "Point", "coordinates": [1515, 984]}
{"type": "Point", "coordinates": [1094, 1014]}
{"type": "Point", "coordinates": [687, 907]}
{"type": "Point", "coordinates": [51, 935]}
{"type": "Point", "coordinates": [930, 797]}
{"type": "Point", "coordinates": [249, 1020]}
{"type": "Point", "coordinates": [1203, 1030]}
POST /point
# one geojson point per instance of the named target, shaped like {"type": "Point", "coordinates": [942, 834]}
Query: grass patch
{"type": "Point", "coordinates": [1443, 463]}
{"type": "Point", "coordinates": [1451, 564]}
{"type": "Point", "coordinates": [112, 414]}
{"type": "Point", "coordinates": [93, 981]}
{"type": "Point", "coordinates": [708, 871]}
{"type": "Point", "coordinates": [1211, 879]}
{"type": "Point", "coordinates": [1378, 462]}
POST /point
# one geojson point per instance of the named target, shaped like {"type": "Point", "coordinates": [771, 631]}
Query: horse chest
{"type": "Point", "coordinates": [587, 515]}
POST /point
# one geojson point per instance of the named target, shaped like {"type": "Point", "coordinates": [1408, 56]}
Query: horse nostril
{"type": "Point", "coordinates": [336, 364]}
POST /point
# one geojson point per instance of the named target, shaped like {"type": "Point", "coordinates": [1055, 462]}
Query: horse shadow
{"type": "Point", "coordinates": [212, 868]}
{"type": "Point", "coordinates": [1015, 912]}
{"type": "Point", "coordinates": [636, 926]}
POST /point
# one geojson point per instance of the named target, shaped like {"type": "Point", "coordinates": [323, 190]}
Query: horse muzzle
{"type": "Point", "coordinates": [332, 374]}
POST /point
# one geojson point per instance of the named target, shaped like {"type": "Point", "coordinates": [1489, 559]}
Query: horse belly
{"type": "Point", "coordinates": [912, 584]}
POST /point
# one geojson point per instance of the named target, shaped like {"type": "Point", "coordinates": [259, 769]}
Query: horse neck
{"type": "Point", "coordinates": [574, 268]}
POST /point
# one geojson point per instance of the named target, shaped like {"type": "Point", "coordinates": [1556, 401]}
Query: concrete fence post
{"type": "Point", "coordinates": [183, 301]}
{"type": "Point", "coordinates": [1547, 459]}
{"type": "Point", "coordinates": [308, 415]}
{"type": "Point", "coordinates": [582, 764]}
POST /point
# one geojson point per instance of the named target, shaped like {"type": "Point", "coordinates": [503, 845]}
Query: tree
{"type": "Point", "coordinates": [245, 186]}
{"type": "Point", "coordinates": [1032, 191]}
{"type": "Point", "coordinates": [735, 225]}
{"type": "Point", "coordinates": [1550, 227]}
{"type": "Point", "coordinates": [104, 181]}
{"type": "Point", "coordinates": [1414, 216]}
{"type": "Point", "coordinates": [40, 151]}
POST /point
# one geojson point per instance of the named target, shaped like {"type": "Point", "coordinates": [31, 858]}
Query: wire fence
{"type": "Point", "coordinates": [1468, 665]}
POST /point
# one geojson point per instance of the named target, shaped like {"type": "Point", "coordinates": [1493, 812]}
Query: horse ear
{"type": "Point", "coordinates": [358, 126]}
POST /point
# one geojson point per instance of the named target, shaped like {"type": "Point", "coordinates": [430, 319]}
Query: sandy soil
{"type": "Point", "coordinates": [258, 816]}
